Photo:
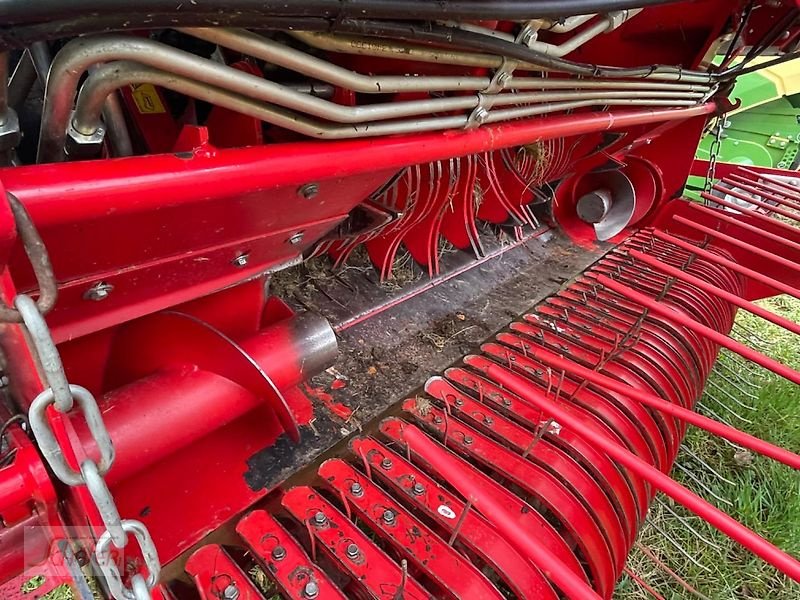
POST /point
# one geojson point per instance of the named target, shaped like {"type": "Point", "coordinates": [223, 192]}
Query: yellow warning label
{"type": "Point", "coordinates": [146, 98]}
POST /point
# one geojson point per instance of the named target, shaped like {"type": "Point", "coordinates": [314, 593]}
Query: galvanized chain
{"type": "Point", "coordinates": [64, 396]}
{"type": "Point", "coordinates": [716, 145]}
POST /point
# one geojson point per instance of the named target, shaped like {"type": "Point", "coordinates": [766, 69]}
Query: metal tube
{"type": "Point", "coordinates": [111, 76]}
{"type": "Point", "coordinates": [568, 24]}
{"type": "Point", "coordinates": [381, 48]}
{"type": "Point", "coordinates": [118, 135]}
{"type": "Point", "coordinates": [607, 23]}
{"type": "Point", "coordinates": [87, 113]}
{"type": "Point", "coordinates": [762, 189]}
{"type": "Point", "coordinates": [738, 243]}
{"type": "Point", "coordinates": [722, 216]}
{"type": "Point", "coordinates": [751, 200]}
{"type": "Point", "coordinates": [266, 49]}
{"type": "Point", "coordinates": [720, 520]}
{"type": "Point", "coordinates": [773, 180]}
{"type": "Point", "coordinates": [271, 51]}
{"type": "Point", "coordinates": [721, 260]}
{"type": "Point", "coordinates": [657, 403]}
{"type": "Point", "coordinates": [713, 289]}
{"type": "Point", "coordinates": [714, 336]}
{"type": "Point", "coordinates": [497, 116]}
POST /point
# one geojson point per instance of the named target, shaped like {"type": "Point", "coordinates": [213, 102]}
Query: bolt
{"type": "Point", "coordinates": [357, 490]}
{"type": "Point", "coordinates": [296, 238]}
{"type": "Point", "coordinates": [488, 420]}
{"type": "Point", "coordinates": [480, 115]}
{"type": "Point", "coordinates": [502, 78]}
{"type": "Point", "coordinates": [418, 489]}
{"type": "Point", "coordinates": [437, 419]}
{"type": "Point", "coordinates": [241, 260]}
{"type": "Point", "coordinates": [388, 517]}
{"type": "Point", "coordinates": [467, 440]}
{"type": "Point", "coordinates": [311, 590]}
{"type": "Point", "coordinates": [386, 463]}
{"type": "Point", "coordinates": [278, 553]}
{"type": "Point", "coordinates": [99, 291]}
{"type": "Point", "coordinates": [231, 592]}
{"type": "Point", "coordinates": [352, 551]}
{"type": "Point", "coordinates": [320, 518]}
{"type": "Point", "coordinates": [308, 191]}
{"type": "Point", "coordinates": [459, 402]}
{"type": "Point", "coordinates": [506, 402]}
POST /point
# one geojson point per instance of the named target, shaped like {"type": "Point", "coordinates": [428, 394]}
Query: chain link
{"type": "Point", "coordinates": [63, 397]}
{"type": "Point", "coordinates": [48, 444]}
{"type": "Point", "coordinates": [716, 145]}
{"type": "Point", "coordinates": [40, 261]}
{"type": "Point", "coordinates": [108, 565]}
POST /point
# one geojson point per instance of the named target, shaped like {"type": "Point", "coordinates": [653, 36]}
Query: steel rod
{"type": "Point", "coordinates": [722, 216]}
{"type": "Point", "coordinates": [682, 319]}
{"type": "Point", "coordinates": [732, 434]}
{"type": "Point", "coordinates": [713, 289]}
{"type": "Point", "coordinates": [765, 205]}
{"type": "Point", "coordinates": [762, 189]}
{"type": "Point", "coordinates": [721, 260]}
{"type": "Point", "coordinates": [719, 519]}
{"type": "Point", "coordinates": [738, 243]}
{"type": "Point", "coordinates": [773, 180]}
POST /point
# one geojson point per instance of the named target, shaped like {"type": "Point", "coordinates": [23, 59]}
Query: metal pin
{"type": "Point", "coordinates": [696, 458]}
{"type": "Point", "coordinates": [460, 522]}
{"type": "Point", "coordinates": [685, 522]}
{"type": "Point", "coordinates": [700, 483]}
{"type": "Point", "coordinates": [731, 396]}
{"type": "Point", "coordinates": [678, 547]}
{"type": "Point", "coordinates": [709, 395]}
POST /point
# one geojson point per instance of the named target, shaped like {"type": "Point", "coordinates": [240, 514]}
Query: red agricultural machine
{"type": "Point", "coordinates": [391, 299]}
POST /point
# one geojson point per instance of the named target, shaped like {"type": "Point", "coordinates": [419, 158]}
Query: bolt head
{"type": "Point", "coordinates": [356, 489]}
{"type": "Point", "coordinates": [418, 489]}
{"type": "Point", "coordinates": [99, 291]}
{"type": "Point", "coordinates": [278, 553]}
{"type": "Point", "coordinates": [308, 191]}
{"type": "Point", "coordinates": [241, 260]}
{"type": "Point", "coordinates": [296, 238]}
{"type": "Point", "coordinates": [468, 439]}
{"type": "Point", "coordinates": [311, 590]}
{"type": "Point", "coordinates": [320, 518]}
{"type": "Point", "coordinates": [231, 592]}
{"type": "Point", "coordinates": [386, 463]}
{"type": "Point", "coordinates": [388, 517]}
{"type": "Point", "coordinates": [352, 551]}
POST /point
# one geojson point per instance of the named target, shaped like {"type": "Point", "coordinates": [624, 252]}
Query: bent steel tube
{"type": "Point", "coordinates": [80, 53]}
{"type": "Point", "coordinates": [110, 77]}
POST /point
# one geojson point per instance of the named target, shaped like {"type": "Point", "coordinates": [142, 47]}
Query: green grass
{"type": "Point", "coordinates": [761, 493]}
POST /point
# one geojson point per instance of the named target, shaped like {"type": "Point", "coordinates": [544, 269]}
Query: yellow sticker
{"type": "Point", "coordinates": [147, 99]}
